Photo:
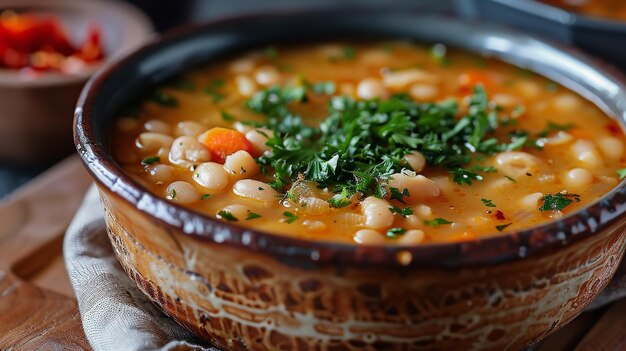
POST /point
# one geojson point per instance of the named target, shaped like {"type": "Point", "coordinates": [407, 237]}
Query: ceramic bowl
{"type": "Point", "coordinates": [36, 121]}
{"type": "Point", "coordinates": [599, 36]}
{"type": "Point", "coordinates": [243, 289]}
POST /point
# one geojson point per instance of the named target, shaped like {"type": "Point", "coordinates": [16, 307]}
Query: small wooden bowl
{"type": "Point", "coordinates": [35, 126]}
{"type": "Point", "coordinates": [244, 289]}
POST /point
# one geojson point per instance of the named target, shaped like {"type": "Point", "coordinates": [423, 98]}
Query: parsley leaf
{"type": "Point", "coordinates": [349, 53]}
{"type": "Point", "coordinates": [488, 203]}
{"type": "Point", "coordinates": [150, 160]}
{"type": "Point", "coordinates": [340, 200]}
{"type": "Point", "coordinates": [437, 222]}
{"type": "Point", "coordinates": [290, 217]}
{"type": "Point", "coordinates": [227, 216]}
{"type": "Point", "coordinates": [464, 176]}
{"type": "Point", "coordinates": [558, 201]}
{"type": "Point", "coordinates": [404, 212]}
{"type": "Point", "coordinates": [502, 227]}
{"type": "Point", "coordinates": [396, 194]}
{"type": "Point", "coordinates": [205, 196]}
{"type": "Point", "coordinates": [326, 88]}
{"type": "Point", "coordinates": [163, 99]}
{"type": "Point", "coordinates": [395, 232]}
{"type": "Point", "coordinates": [252, 215]}
{"type": "Point", "coordinates": [621, 173]}
{"type": "Point", "coordinates": [227, 116]}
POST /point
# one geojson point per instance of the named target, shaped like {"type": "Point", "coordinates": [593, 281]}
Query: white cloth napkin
{"type": "Point", "coordinates": [117, 316]}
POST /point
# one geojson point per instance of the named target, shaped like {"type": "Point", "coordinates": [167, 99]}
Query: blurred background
{"type": "Point", "coordinates": [166, 15]}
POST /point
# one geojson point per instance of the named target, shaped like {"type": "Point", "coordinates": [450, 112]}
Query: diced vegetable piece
{"type": "Point", "coordinates": [223, 142]}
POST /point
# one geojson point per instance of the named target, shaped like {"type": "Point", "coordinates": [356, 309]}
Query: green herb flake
{"type": "Point", "coordinates": [437, 222]}
{"type": "Point", "coordinates": [290, 217]}
{"type": "Point", "coordinates": [252, 215]}
{"type": "Point", "coordinates": [621, 173]}
{"type": "Point", "coordinates": [340, 200]}
{"type": "Point", "coordinates": [439, 53]}
{"type": "Point", "coordinates": [227, 216]}
{"type": "Point", "coordinates": [163, 99]}
{"type": "Point", "coordinates": [404, 212]}
{"type": "Point", "coordinates": [558, 201]}
{"type": "Point", "coordinates": [510, 178]}
{"type": "Point", "coordinates": [270, 52]}
{"type": "Point", "coordinates": [324, 88]}
{"type": "Point", "coordinates": [552, 87]}
{"type": "Point", "coordinates": [227, 116]}
{"type": "Point", "coordinates": [349, 53]}
{"type": "Point", "coordinates": [395, 232]}
{"type": "Point", "coordinates": [503, 226]}
{"type": "Point", "coordinates": [172, 194]}
{"type": "Point", "coordinates": [205, 196]}
{"type": "Point", "coordinates": [396, 194]}
{"type": "Point", "coordinates": [183, 85]}
{"type": "Point", "coordinates": [488, 203]}
{"type": "Point", "coordinates": [553, 127]}
{"type": "Point", "coordinates": [464, 176]}
{"type": "Point", "coordinates": [150, 160]}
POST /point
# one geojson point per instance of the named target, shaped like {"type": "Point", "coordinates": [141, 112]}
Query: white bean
{"type": "Point", "coordinates": [416, 160]}
{"type": "Point", "coordinates": [241, 165]}
{"type": "Point", "coordinates": [578, 178]}
{"type": "Point", "coordinates": [368, 237]}
{"type": "Point", "coordinates": [161, 173]}
{"type": "Point", "coordinates": [255, 190]}
{"type": "Point", "coordinates": [587, 153]}
{"type": "Point", "coordinates": [267, 75]}
{"type": "Point", "coordinates": [150, 141]}
{"type": "Point", "coordinates": [423, 211]}
{"type": "Point", "coordinates": [505, 100]}
{"type": "Point", "coordinates": [419, 187]}
{"type": "Point", "coordinates": [611, 147]}
{"type": "Point", "coordinates": [182, 192]}
{"type": "Point", "coordinates": [188, 150]}
{"type": "Point", "coordinates": [314, 226]}
{"type": "Point", "coordinates": [376, 57]}
{"type": "Point", "coordinates": [518, 163]}
{"type": "Point", "coordinates": [377, 213]}
{"type": "Point", "coordinates": [567, 103]}
{"type": "Point", "coordinates": [350, 219]}
{"type": "Point", "coordinates": [559, 138]}
{"type": "Point", "coordinates": [245, 86]}
{"type": "Point", "coordinates": [240, 212]}
{"type": "Point", "coordinates": [190, 128]}
{"type": "Point", "coordinates": [423, 92]}
{"type": "Point", "coordinates": [242, 128]}
{"type": "Point", "coordinates": [411, 237]}
{"type": "Point", "coordinates": [371, 88]}
{"type": "Point", "coordinates": [400, 79]}
{"type": "Point", "coordinates": [530, 201]}
{"type": "Point", "coordinates": [212, 176]}
{"type": "Point", "coordinates": [258, 138]}
{"type": "Point", "coordinates": [157, 126]}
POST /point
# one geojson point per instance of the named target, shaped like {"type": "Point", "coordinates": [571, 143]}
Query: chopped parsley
{"type": "Point", "coordinates": [553, 127]}
{"type": "Point", "coordinates": [150, 160]}
{"type": "Point", "coordinates": [270, 52]}
{"type": "Point", "coordinates": [510, 178]}
{"type": "Point", "coordinates": [395, 232]}
{"type": "Point", "coordinates": [340, 200]}
{"type": "Point", "coordinates": [227, 216]}
{"type": "Point", "coordinates": [290, 217]}
{"type": "Point", "coordinates": [404, 212]}
{"type": "Point", "coordinates": [172, 194]}
{"type": "Point", "coordinates": [227, 116]}
{"type": "Point", "coordinates": [349, 53]}
{"type": "Point", "coordinates": [324, 88]}
{"type": "Point", "coordinates": [488, 203]}
{"type": "Point", "coordinates": [252, 215]}
{"type": "Point", "coordinates": [163, 99]}
{"type": "Point", "coordinates": [439, 53]}
{"type": "Point", "coordinates": [437, 222]}
{"type": "Point", "coordinates": [552, 87]}
{"type": "Point", "coordinates": [558, 201]}
{"type": "Point", "coordinates": [205, 196]}
{"type": "Point", "coordinates": [621, 173]}
{"type": "Point", "coordinates": [502, 227]}
{"type": "Point", "coordinates": [213, 90]}
{"type": "Point", "coordinates": [396, 194]}
{"type": "Point", "coordinates": [183, 84]}
{"type": "Point", "coordinates": [360, 144]}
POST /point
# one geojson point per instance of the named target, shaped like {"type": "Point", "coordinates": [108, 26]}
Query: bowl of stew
{"type": "Point", "coordinates": [48, 50]}
{"type": "Point", "coordinates": [367, 184]}
{"type": "Point", "coordinates": [598, 27]}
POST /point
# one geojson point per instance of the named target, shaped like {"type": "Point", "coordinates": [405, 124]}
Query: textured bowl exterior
{"type": "Point", "coordinates": [241, 300]}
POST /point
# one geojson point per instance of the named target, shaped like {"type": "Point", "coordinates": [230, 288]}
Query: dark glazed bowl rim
{"type": "Point", "coordinates": [487, 40]}
{"type": "Point", "coordinates": [563, 16]}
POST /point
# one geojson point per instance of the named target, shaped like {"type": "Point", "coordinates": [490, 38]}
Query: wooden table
{"type": "Point", "coordinates": [37, 306]}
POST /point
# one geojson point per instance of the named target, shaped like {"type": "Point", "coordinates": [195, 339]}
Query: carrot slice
{"type": "Point", "coordinates": [222, 142]}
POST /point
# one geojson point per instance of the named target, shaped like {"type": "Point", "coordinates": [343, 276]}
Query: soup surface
{"type": "Point", "coordinates": [391, 143]}
{"type": "Point", "coordinates": [612, 9]}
